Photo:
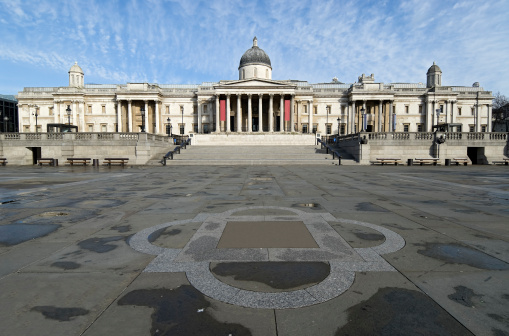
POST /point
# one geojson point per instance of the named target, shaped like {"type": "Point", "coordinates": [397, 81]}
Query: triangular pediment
{"type": "Point", "coordinates": [254, 82]}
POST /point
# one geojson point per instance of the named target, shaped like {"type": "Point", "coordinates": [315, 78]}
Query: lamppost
{"type": "Point", "coordinates": [363, 113]}
{"type": "Point", "coordinates": [339, 121]}
{"type": "Point", "coordinates": [327, 119]}
{"type": "Point", "coordinates": [68, 110]}
{"type": "Point", "coordinates": [168, 127]}
{"type": "Point", "coordinates": [6, 119]}
{"type": "Point", "coordinates": [36, 114]}
{"type": "Point", "coordinates": [142, 110]}
{"type": "Point", "coordinates": [182, 126]}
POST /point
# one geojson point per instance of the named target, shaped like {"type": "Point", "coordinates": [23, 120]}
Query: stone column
{"type": "Point", "coordinates": [74, 113]}
{"type": "Point", "coordinates": [227, 113]}
{"type": "Point", "coordinates": [352, 118]}
{"type": "Point", "coordinates": [310, 116]}
{"type": "Point", "coordinates": [489, 122]}
{"type": "Point", "coordinates": [477, 118]}
{"type": "Point", "coordinates": [292, 118]}
{"type": "Point", "coordinates": [249, 114]}
{"type": "Point", "coordinates": [147, 128]}
{"type": "Point", "coordinates": [129, 116]}
{"type": "Point", "coordinates": [428, 116]}
{"type": "Point", "coordinates": [55, 113]}
{"type": "Point", "coordinates": [119, 116]}
{"type": "Point", "coordinates": [81, 111]}
{"type": "Point", "coordinates": [158, 127]}
{"type": "Point", "coordinates": [239, 113]}
{"type": "Point", "coordinates": [218, 127]}
{"type": "Point", "coordinates": [364, 115]}
{"type": "Point", "coordinates": [282, 114]}
{"type": "Point", "coordinates": [379, 116]}
{"type": "Point", "coordinates": [446, 107]}
{"type": "Point", "coordinates": [391, 122]}
{"type": "Point", "coordinates": [260, 113]}
{"type": "Point", "coordinates": [271, 113]}
{"type": "Point", "coordinates": [200, 108]}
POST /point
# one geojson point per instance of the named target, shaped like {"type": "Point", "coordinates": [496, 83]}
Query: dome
{"type": "Point", "coordinates": [76, 68]}
{"type": "Point", "coordinates": [255, 55]}
{"type": "Point", "coordinates": [434, 68]}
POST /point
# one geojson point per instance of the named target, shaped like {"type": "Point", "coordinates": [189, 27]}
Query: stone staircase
{"type": "Point", "coordinates": [253, 155]}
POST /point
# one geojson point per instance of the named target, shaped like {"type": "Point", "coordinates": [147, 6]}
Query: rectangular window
{"type": "Point", "coordinates": [195, 109]}
{"type": "Point", "coordinates": [315, 128]}
{"type": "Point", "coordinates": [206, 129]}
{"type": "Point", "coordinates": [473, 111]}
{"type": "Point", "coordinates": [304, 128]}
{"type": "Point", "coordinates": [104, 109]}
{"type": "Point", "coordinates": [103, 128]}
{"type": "Point", "coordinates": [406, 127]}
{"type": "Point", "coordinates": [167, 109]}
{"type": "Point", "coordinates": [51, 111]}
{"type": "Point", "coordinates": [420, 109]}
{"type": "Point", "coordinates": [329, 110]}
{"type": "Point", "coordinates": [483, 128]}
{"type": "Point", "coordinates": [89, 109]}
{"type": "Point", "coordinates": [205, 110]}
{"type": "Point", "coordinates": [407, 109]}
{"type": "Point", "coordinates": [343, 128]}
{"type": "Point", "coordinates": [419, 127]}
{"type": "Point", "coordinates": [90, 127]}
{"type": "Point", "coordinates": [38, 129]}
{"type": "Point", "coordinates": [26, 129]}
{"type": "Point", "coordinates": [328, 127]}
{"type": "Point", "coordinates": [316, 110]}
{"type": "Point", "coordinates": [458, 128]}
{"type": "Point", "coordinates": [305, 110]}
{"type": "Point", "coordinates": [471, 128]}
{"type": "Point", "coordinates": [459, 111]}
{"type": "Point", "coordinates": [195, 128]}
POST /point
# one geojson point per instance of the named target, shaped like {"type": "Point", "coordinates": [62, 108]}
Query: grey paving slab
{"type": "Point", "coordinates": [123, 251]}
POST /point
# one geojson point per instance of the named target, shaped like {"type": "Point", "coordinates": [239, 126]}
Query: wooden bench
{"type": "Point", "coordinates": [383, 161]}
{"type": "Point", "coordinates": [115, 161]}
{"type": "Point", "coordinates": [457, 161]}
{"type": "Point", "coordinates": [48, 161]}
{"type": "Point", "coordinates": [3, 161]}
{"type": "Point", "coordinates": [81, 161]}
{"type": "Point", "coordinates": [433, 161]}
{"type": "Point", "coordinates": [504, 161]}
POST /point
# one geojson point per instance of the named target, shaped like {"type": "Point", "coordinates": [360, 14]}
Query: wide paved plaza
{"type": "Point", "coordinates": [254, 250]}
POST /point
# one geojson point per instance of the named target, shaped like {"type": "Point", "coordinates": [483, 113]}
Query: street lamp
{"type": "Point", "coordinates": [327, 120]}
{"type": "Point", "coordinates": [68, 110]}
{"type": "Point", "coordinates": [142, 110]}
{"type": "Point", "coordinates": [36, 114]}
{"type": "Point", "coordinates": [363, 112]}
{"type": "Point", "coordinates": [339, 120]}
{"type": "Point", "coordinates": [6, 119]}
{"type": "Point", "coordinates": [168, 127]}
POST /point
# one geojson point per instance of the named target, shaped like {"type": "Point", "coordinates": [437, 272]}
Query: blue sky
{"type": "Point", "coordinates": [190, 42]}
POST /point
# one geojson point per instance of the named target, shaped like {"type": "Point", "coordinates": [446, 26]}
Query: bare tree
{"type": "Point", "coordinates": [499, 100]}
{"type": "Point", "coordinates": [500, 113]}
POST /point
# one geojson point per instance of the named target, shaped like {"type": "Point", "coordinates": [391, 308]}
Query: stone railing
{"type": "Point", "coordinates": [422, 136]}
{"type": "Point", "coordinates": [83, 136]}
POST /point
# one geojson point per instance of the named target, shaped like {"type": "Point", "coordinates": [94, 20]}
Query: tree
{"type": "Point", "coordinates": [499, 100]}
{"type": "Point", "coordinates": [500, 113]}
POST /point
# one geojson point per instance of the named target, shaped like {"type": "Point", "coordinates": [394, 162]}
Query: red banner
{"type": "Point", "coordinates": [287, 109]}
{"type": "Point", "coordinates": [222, 110]}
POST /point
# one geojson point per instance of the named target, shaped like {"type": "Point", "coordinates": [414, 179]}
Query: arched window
{"type": "Point", "coordinates": [256, 72]}
{"type": "Point", "coordinates": [267, 73]}
{"type": "Point", "coordinates": [243, 73]}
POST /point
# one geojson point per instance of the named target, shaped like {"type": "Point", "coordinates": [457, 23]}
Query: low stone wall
{"type": "Point", "coordinates": [18, 148]}
{"type": "Point", "coordinates": [365, 147]}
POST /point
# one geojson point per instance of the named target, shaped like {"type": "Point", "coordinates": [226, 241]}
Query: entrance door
{"type": "Point", "coordinates": [476, 155]}
{"type": "Point", "coordinates": [232, 123]}
{"type": "Point", "coordinates": [36, 154]}
{"type": "Point", "coordinates": [255, 124]}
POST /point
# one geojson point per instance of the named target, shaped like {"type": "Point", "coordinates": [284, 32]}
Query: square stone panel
{"type": "Point", "coordinates": [275, 234]}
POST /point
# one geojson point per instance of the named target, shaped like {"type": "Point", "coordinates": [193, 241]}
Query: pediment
{"type": "Point", "coordinates": [258, 82]}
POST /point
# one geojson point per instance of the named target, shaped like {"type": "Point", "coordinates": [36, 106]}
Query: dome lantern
{"type": "Point", "coordinates": [255, 63]}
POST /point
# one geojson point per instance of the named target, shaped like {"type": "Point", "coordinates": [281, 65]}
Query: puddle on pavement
{"type": "Point", "coordinates": [60, 314]}
{"type": "Point", "coordinates": [458, 254]}
{"type": "Point", "coordinates": [369, 236]}
{"type": "Point", "coordinates": [100, 245]}
{"type": "Point", "coordinates": [464, 295]}
{"type": "Point", "coordinates": [180, 311]}
{"type": "Point", "coordinates": [399, 311]}
{"type": "Point", "coordinates": [66, 265]}
{"type": "Point", "coordinates": [13, 234]}
{"type": "Point", "coordinates": [277, 275]}
{"type": "Point", "coordinates": [314, 206]}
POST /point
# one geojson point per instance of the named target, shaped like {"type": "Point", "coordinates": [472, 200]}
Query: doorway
{"type": "Point", "coordinates": [36, 154]}
{"type": "Point", "coordinates": [476, 155]}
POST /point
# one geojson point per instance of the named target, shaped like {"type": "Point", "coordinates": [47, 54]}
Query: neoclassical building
{"type": "Point", "coordinates": [257, 103]}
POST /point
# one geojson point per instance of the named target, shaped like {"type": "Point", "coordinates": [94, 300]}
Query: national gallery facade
{"type": "Point", "coordinates": [256, 103]}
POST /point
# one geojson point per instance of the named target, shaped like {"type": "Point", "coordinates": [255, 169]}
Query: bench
{"type": "Point", "coordinates": [504, 161]}
{"type": "Point", "coordinates": [48, 161]}
{"type": "Point", "coordinates": [457, 161]}
{"type": "Point", "coordinates": [3, 161]}
{"type": "Point", "coordinates": [383, 161]}
{"type": "Point", "coordinates": [81, 161]}
{"type": "Point", "coordinates": [433, 161]}
{"type": "Point", "coordinates": [115, 161]}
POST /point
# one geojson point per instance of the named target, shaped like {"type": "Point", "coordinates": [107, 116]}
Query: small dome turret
{"type": "Point", "coordinates": [434, 76]}
{"type": "Point", "coordinates": [76, 76]}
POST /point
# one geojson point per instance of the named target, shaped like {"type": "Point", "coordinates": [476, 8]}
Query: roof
{"type": "Point", "coordinates": [76, 68]}
{"type": "Point", "coordinates": [434, 68]}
